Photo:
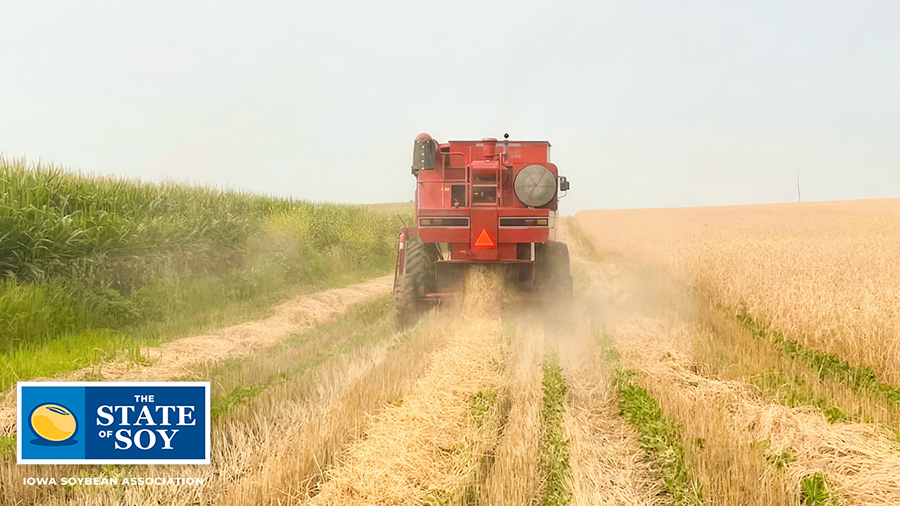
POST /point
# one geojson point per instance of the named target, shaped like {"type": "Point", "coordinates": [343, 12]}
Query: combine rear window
{"type": "Point", "coordinates": [484, 194]}
{"type": "Point", "coordinates": [458, 195]}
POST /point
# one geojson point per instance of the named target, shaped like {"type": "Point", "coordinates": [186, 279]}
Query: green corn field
{"type": "Point", "coordinates": [83, 254]}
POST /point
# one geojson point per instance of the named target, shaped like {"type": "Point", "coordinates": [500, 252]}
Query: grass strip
{"type": "Point", "coordinates": [250, 375]}
{"type": "Point", "coordinates": [660, 439]}
{"type": "Point", "coordinates": [814, 491]}
{"type": "Point", "coordinates": [796, 392]}
{"type": "Point", "coordinates": [223, 404]}
{"type": "Point", "coordinates": [555, 450]}
{"type": "Point", "coordinates": [827, 365]}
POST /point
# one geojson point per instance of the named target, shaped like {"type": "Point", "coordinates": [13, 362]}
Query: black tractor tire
{"type": "Point", "coordinates": [410, 287]}
{"type": "Point", "coordinates": [416, 264]}
{"type": "Point", "coordinates": [406, 302]}
{"type": "Point", "coordinates": [553, 272]}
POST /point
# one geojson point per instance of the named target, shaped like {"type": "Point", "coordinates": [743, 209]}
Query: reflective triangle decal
{"type": "Point", "coordinates": [484, 241]}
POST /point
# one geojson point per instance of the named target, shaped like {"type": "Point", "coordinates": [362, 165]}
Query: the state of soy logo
{"type": "Point", "coordinates": [113, 423]}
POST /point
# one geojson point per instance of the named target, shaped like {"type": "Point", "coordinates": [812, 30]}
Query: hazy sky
{"type": "Point", "coordinates": [647, 104]}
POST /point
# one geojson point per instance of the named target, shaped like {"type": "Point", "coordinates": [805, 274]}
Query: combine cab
{"type": "Point", "coordinates": [481, 202]}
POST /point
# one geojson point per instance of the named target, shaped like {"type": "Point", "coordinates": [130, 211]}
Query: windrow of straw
{"type": "Point", "coordinates": [608, 466]}
{"type": "Point", "coordinates": [291, 463]}
{"type": "Point", "coordinates": [860, 460]}
{"type": "Point", "coordinates": [430, 446]}
{"type": "Point", "coordinates": [515, 476]}
{"type": "Point", "coordinates": [482, 292]}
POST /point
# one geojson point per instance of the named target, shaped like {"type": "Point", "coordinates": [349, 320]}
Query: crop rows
{"type": "Point", "coordinates": [766, 333]}
{"type": "Point", "coordinates": [823, 274]}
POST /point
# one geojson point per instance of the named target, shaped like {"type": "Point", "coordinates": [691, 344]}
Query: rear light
{"type": "Point", "coordinates": [524, 222]}
{"type": "Point", "coordinates": [443, 222]}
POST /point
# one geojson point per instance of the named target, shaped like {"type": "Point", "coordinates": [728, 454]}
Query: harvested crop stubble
{"type": "Point", "coordinates": [429, 446]}
{"type": "Point", "coordinates": [291, 462]}
{"type": "Point", "coordinates": [309, 416]}
{"type": "Point", "coordinates": [732, 351]}
{"type": "Point", "coordinates": [608, 465]}
{"type": "Point", "coordinates": [514, 477]}
{"type": "Point", "coordinates": [860, 460]}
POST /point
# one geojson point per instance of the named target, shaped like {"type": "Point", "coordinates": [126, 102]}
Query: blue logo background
{"type": "Point", "coordinates": [71, 398]}
{"type": "Point", "coordinates": [188, 443]}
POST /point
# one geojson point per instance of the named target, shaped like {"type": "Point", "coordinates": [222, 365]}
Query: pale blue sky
{"type": "Point", "coordinates": [647, 104]}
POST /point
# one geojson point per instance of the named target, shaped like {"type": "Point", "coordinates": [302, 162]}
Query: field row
{"type": "Point", "coordinates": [755, 416]}
{"type": "Point", "coordinates": [478, 414]}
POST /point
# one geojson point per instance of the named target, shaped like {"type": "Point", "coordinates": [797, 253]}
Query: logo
{"type": "Point", "coordinates": [54, 424]}
{"type": "Point", "coordinates": [113, 423]}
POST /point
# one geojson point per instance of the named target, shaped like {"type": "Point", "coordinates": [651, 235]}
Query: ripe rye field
{"type": "Point", "coordinates": [724, 356]}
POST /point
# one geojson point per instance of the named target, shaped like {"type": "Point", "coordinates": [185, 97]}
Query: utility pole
{"type": "Point", "coordinates": [798, 184]}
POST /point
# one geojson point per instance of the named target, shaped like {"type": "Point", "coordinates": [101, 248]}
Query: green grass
{"type": "Point", "coordinates": [555, 448]}
{"type": "Point", "coordinates": [604, 341]}
{"type": "Point", "coordinates": [74, 351]}
{"type": "Point", "coordinates": [226, 403]}
{"type": "Point", "coordinates": [814, 491]}
{"type": "Point", "coordinates": [827, 366]}
{"type": "Point", "coordinates": [793, 391]}
{"type": "Point", "coordinates": [660, 438]}
{"type": "Point", "coordinates": [106, 263]}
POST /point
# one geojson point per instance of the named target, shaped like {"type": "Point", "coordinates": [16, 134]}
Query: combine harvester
{"type": "Point", "coordinates": [481, 203]}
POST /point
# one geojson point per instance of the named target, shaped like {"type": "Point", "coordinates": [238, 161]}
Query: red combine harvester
{"type": "Point", "coordinates": [482, 202]}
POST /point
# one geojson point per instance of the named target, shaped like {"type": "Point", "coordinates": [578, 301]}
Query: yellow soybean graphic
{"type": "Point", "coordinates": [53, 422]}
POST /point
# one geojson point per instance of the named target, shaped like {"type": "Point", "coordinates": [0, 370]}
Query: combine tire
{"type": "Point", "coordinates": [410, 286]}
{"type": "Point", "coordinates": [555, 277]}
{"type": "Point", "coordinates": [416, 264]}
{"type": "Point", "coordinates": [406, 302]}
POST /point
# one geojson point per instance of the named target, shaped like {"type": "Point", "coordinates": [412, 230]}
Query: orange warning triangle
{"type": "Point", "coordinates": [484, 240]}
